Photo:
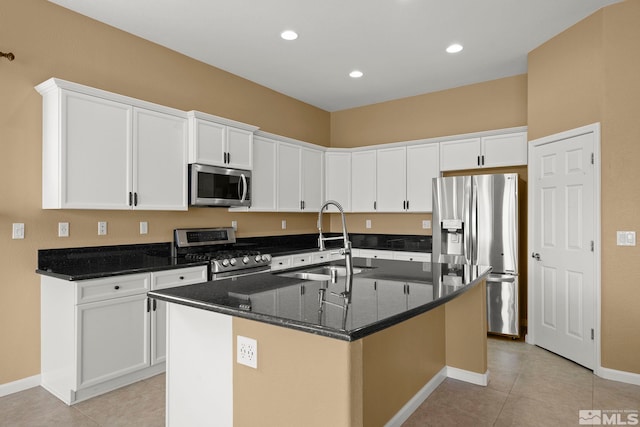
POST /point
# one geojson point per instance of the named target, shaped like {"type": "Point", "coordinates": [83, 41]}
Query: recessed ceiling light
{"type": "Point", "coordinates": [289, 35]}
{"type": "Point", "coordinates": [356, 74]}
{"type": "Point", "coordinates": [454, 48]}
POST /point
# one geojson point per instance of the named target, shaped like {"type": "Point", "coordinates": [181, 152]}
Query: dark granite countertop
{"type": "Point", "coordinates": [384, 293]}
{"type": "Point", "coordinates": [105, 261]}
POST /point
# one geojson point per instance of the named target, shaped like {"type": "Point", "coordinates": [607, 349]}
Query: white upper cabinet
{"type": "Point", "coordinates": [337, 172]}
{"type": "Point", "coordinates": [218, 141]}
{"type": "Point", "coordinates": [159, 181]}
{"type": "Point", "coordinates": [423, 164]}
{"type": "Point", "coordinates": [263, 176]}
{"type": "Point", "coordinates": [106, 151]}
{"type": "Point", "coordinates": [508, 149]}
{"type": "Point", "coordinates": [391, 178]}
{"type": "Point", "coordinates": [363, 181]}
{"type": "Point", "coordinates": [299, 178]}
{"type": "Point", "coordinates": [404, 178]}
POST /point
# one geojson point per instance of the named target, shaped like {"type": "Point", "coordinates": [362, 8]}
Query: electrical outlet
{"type": "Point", "coordinates": [234, 225]}
{"type": "Point", "coordinates": [367, 223]}
{"type": "Point", "coordinates": [426, 224]}
{"type": "Point", "coordinates": [63, 229]}
{"type": "Point", "coordinates": [102, 228]}
{"type": "Point", "coordinates": [247, 351]}
{"type": "Point", "coordinates": [284, 224]}
{"type": "Point", "coordinates": [144, 227]}
{"type": "Point", "coordinates": [18, 230]}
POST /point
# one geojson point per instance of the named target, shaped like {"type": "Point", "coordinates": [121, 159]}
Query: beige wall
{"type": "Point", "coordinates": [589, 74]}
{"type": "Point", "coordinates": [49, 41]}
{"type": "Point", "coordinates": [490, 105]}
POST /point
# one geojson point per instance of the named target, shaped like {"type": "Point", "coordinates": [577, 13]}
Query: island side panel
{"type": "Point", "coordinates": [302, 379]}
{"type": "Point", "coordinates": [199, 367]}
{"type": "Point", "coordinates": [399, 361]}
{"type": "Point", "coordinates": [466, 330]}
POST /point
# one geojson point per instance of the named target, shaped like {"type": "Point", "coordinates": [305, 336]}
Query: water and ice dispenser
{"type": "Point", "coordinates": [452, 237]}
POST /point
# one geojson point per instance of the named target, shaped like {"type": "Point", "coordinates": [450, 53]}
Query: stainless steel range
{"type": "Point", "coordinates": [218, 246]}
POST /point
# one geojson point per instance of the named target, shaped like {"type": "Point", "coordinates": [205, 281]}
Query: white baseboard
{"type": "Point", "coordinates": [615, 375]}
{"type": "Point", "coordinates": [409, 408]}
{"type": "Point", "coordinates": [468, 376]}
{"type": "Point", "coordinates": [19, 385]}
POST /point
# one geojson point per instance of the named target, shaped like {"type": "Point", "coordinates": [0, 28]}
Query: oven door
{"type": "Point", "coordinates": [240, 273]}
{"type": "Point", "coordinates": [219, 187]}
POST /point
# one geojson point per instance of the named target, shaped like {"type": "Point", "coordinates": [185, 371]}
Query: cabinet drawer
{"type": "Point", "coordinates": [183, 276]}
{"type": "Point", "coordinates": [302, 259]}
{"type": "Point", "coordinates": [280, 263]}
{"type": "Point", "coordinates": [319, 257]}
{"type": "Point", "coordinates": [412, 256]}
{"type": "Point", "coordinates": [112, 287]}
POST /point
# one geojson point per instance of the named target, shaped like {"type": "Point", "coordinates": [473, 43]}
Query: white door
{"type": "Point", "coordinates": [263, 176]}
{"type": "Point", "coordinates": [289, 180]}
{"type": "Point", "coordinates": [563, 268]}
{"type": "Point", "coordinates": [311, 174]}
{"type": "Point", "coordinates": [363, 181]}
{"type": "Point", "coordinates": [423, 164]}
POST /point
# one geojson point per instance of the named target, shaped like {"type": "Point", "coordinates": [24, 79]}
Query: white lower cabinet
{"type": "Point", "coordinates": [101, 334]}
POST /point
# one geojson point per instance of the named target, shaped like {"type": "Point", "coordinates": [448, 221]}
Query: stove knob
{"type": "Point", "coordinates": [266, 258]}
{"type": "Point", "coordinates": [232, 261]}
{"type": "Point", "coordinates": [245, 260]}
{"type": "Point", "coordinates": [258, 258]}
{"type": "Point", "coordinates": [225, 262]}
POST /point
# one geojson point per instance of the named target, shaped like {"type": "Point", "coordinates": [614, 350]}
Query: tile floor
{"type": "Point", "coordinates": [528, 387]}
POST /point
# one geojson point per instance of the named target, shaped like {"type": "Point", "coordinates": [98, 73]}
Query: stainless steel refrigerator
{"type": "Point", "coordinates": [475, 221]}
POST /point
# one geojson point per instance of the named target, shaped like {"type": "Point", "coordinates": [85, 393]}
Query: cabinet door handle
{"type": "Point", "coordinates": [483, 160]}
{"type": "Point", "coordinates": [375, 205]}
{"type": "Point", "coordinates": [130, 198]}
{"type": "Point", "coordinates": [407, 205]}
{"type": "Point", "coordinates": [155, 305]}
{"type": "Point", "coordinates": [135, 199]}
{"type": "Point", "coordinates": [478, 160]}
{"type": "Point", "coordinates": [116, 287]}
{"type": "Point", "coordinates": [148, 305]}
{"type": "Point", "coordinates": [181, 277]}
{"type": "Point", "coordinates": [228, 157]}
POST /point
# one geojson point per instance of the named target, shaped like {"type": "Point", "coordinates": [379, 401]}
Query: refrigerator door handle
{"type": "Point", "coordinates": [473, 253]}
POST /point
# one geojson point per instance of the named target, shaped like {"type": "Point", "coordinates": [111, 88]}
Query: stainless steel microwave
{"type": "Point", "coordinates": [218, 187]}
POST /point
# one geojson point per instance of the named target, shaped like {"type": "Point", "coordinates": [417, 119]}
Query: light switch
{"type": "Point", "coordinates": [426, 224]}
{"type": "Point", "coordinates": [626, 238]}
{"type": "Point", "coordinates": [368, 223]}
{"type": "Point", "coordinates": [18, 230]}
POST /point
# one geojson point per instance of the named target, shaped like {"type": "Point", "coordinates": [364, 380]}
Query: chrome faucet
{"type": "Point", "coordinates": [346, 249]}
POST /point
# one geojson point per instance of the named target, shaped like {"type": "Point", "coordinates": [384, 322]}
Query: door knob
{"type": "Point", "coordinates": [536, 256]}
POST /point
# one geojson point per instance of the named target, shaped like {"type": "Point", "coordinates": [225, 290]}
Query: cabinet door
{"type": "Point", "coordinates": [423, 164]}
{"type": "Point", "coordinates": [462, 154]}
{"type": "Point", "coordinates": [418, 294]}
{"type": "Point", "coordinates": [391, 180]}
{"type": "Point", "coordinates": [208, 142]}
{"type": "Point", "coordinates": [363, 181]}
{"type": "Point", "coordinates": [160, 161]}
{"type": "Point", "coordinates": [263, 176]}
{"type": "Point", "coordinates": [163, 280]}
{"type": "Point", "coordinates": [113, 338]}
{"type": "Point", "coordinates": [289, 182]}
{"type": "Point", "coordinates": [239, 148]}
{"type": "Point", "coordinates": [337, 174]}
{"type": "Point", "coordinates": [95, 152]}
{"type": "Point", "coordinates": [392, 298]}
{"type": "Point", "coordinates": [311, 173]}
{"type": "Point", "coordinates": [505, 150]}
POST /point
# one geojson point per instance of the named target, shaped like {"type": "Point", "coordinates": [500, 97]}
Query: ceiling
{"type": "Point", "coordinates": [399, 45]}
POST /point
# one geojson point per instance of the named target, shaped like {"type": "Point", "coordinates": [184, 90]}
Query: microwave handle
{"type": "Point", "coordinates": [244, 187]}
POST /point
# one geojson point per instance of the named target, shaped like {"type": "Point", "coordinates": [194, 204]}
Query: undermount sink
{"type": "Point", "coordinates": [322, 273]}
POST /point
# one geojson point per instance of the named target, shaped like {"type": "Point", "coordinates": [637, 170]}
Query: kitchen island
{"type": "Point", "coordinates": [323, 358]}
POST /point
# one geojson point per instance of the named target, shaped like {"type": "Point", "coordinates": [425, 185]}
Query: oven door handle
{"type": "Point", "coordinates": [244, 187]}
